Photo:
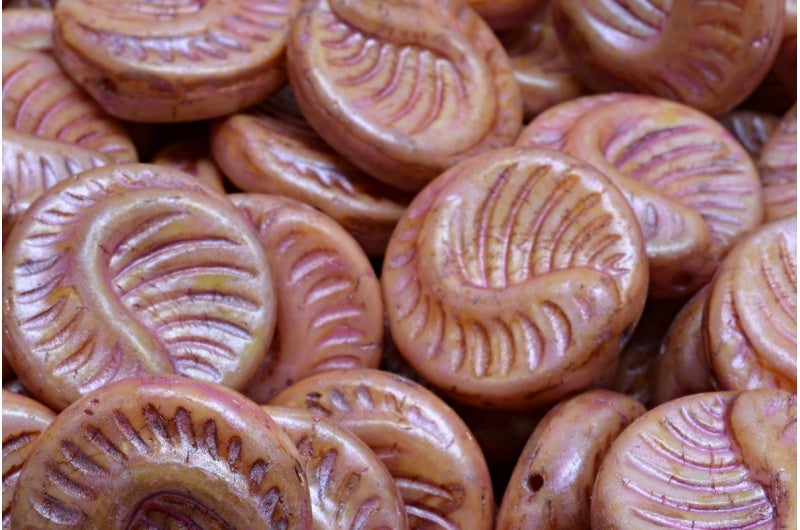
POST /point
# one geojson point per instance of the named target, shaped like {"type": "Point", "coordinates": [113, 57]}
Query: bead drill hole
{"type": "Point", "coordinates": [535, 482]}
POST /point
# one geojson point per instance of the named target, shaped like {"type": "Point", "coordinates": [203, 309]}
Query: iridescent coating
{"type": "Point", "coordinates": [552, 481]}
{"type": "Point", "coordinates": [39, 99]}
{"type": "Point", "coordinates": [682, 367]}
{"type": "Point", "coordinates": [133, 269]}
{"type": "Point", "coordinates": [514, 278]}
{"type": "Point", "coordinates": [541, 68]}
{"type": "Point", "coordinates": [329, 306]}
{"type": "Point", "coordinates": [718, 460]}
{"type": "Point", "coordinates": [174, 60]}
{"type": "Point", "coordinates": [434, 459]}
{"type": "Point", "coordinates": [708, 54]}
{"type": "Point", "coordinates": [24, 419]}
{"type": "Point", "coordinates": [350, 487]}
{"type": "Point", "coordinates": [694, 189]}
{"type": "Point", "coordinates": [501, 14]}
{"type": "Point", "coordinates": [193, 157]}
{"type": "Point", "coordinates": [272, 149]}
{"type": "Point", "coordinates": [777, 166]}
{"type": "Point", "coordinates": [750, 128]}
{"type": "Point", "coordinates": [750, 322]}
{"type": "Point", "coordinates": [163, 452]}
{"type": "Point", "coordinates": [32, 165]}
{"type": "Point", "coordinates": [416, 85]}
{"type": "Point", "coordinates": [28, 28]}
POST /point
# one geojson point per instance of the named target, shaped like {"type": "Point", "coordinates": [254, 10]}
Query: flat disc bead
{"type": "Point", "coordinates": [132, 269]}
{"type": "Point", "coordinates": [750, 322]}
{"type": "Point", "coordinates": [436, 463]}
{"type": "Point", "coordinates": [712, 460]}
{"type": "Point", "coordinates": [777, 166]}
{"type": "Point", "coordinates": [349, 486]}
{"type": "Point", "coordinates": [514, 278]}
{"type": "Point", "coordinates": [40, 99]}
{"type": "Point", "coordinates": [163, 451]}
{"type": "Point", "coordinates": [272, 149]}
{"type": "Point", "coordinates": [694, 189]}
{"type": "Point", "coordinates": [168, 61]}
{"type": "Point", "coordinates": [708, 55]}
{"type": "Point", "coordinates": [329, 306]}
{"type": "Point", "coordinates": [416, 86]}
{"type": "Point", "coordinates": [24, 419]}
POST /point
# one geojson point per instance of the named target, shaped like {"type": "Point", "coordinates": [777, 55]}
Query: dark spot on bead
{"type": "Point", "coordinates": [107, 87]}
{"type": "Point", "coordinates": [535, 482]}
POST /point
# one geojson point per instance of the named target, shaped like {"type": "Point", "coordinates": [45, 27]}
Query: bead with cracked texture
{"type": "Point", "coordinates": [777, 165]}
{"type": "Point", "coordinates": [192, 156]}
{"type": "Point", "coordinates": [434, 459]}
{"type": "Point", "coordinates": [132, 269]}
{"type": "Point", "coordinates": [694, 189]}
{"type": "Point", "coordinates": [700, 462]}
{"type": "Point", "coordinates": [175, 60]}
{"type": "Point", "coordinates": [541, 68]}
{"type": "Point", "coordinates": [28, 28]}
{"type": "Point", "coordinates": [163, 451]}
{"type": "Point", "coordinates": [750, 321]}
{"type": "Point", "coordinates": [709, 55]}
{"type": "Point", "coordinates": [513, 277]}
{"type": "Point", "coordinates": [39, 99]}
{"type": "Point", "coordinates": [552, 482]}
{"type": "Point", "coordinates": [350, 487]}
{"type": "Point", "coordinates": [24, 419]}
{"type": "Point", "coordinates": [750, 128]}
{"type": "Point", "coordinates": [403, 90]}
{"type": "Point", "coordinates": [682, 367]}
{"type": "Point", "coordinates": [272, 149]}
{"type": "Point", "coordinates": [329, 306]}
{"type": "Point", "coordinates": [32, 165]}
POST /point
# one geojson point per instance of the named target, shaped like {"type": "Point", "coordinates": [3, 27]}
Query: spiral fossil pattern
{"type": "Point", "coordinates": [694, 190]}
{"type": "Point", "coordinates": [686, 464]}
{"type": "Point", "coordinates": [330, 312]}
{"type": "Point", "coordinates": [130, 270]}
{"type": "Point", "coordinates": [437, 466]}
{"type": "Point", "coordinates": [778, 169]}
{"type": "Point", "coordinates": [410, 72]}
{"type": "Point", "coordinates": [39, 99]}
{"type": "Point", "coordinates": [503, 272]}
{"type": "Point", "coordinates": [155, 452]}
{"type": "Point", "coordinates": [751, 320]}
{"type": "Point", "coordinates": [707, 53]}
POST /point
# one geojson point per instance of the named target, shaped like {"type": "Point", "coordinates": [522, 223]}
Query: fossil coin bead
{"type": "Point", "coordinates": [39, 99]}
{"type": "Point", "coordinates": [417, 86]}
{"type": "Point", "coordinates": [707, 54]}
{"type": "Point", "coordinates": [163, 451]}
{"type": "Point", "coordinates": [777, 165]}
{"type": "Point", "coordinates": [133, 269]}
{"type": "Point", "coordinates": [514, 278]}
{"type": "Point", "coordinates": [28, 28]}
{"type": "Point", "coordinates": [174, 61]}
{"type": "Point", "coordinates": [682, 367]}
{"type": "Point", "coordinates": [434, 459]}
{"type": "Point", "coordinates": [329, 306]}
{"type": "Point", "coordinates": [750, 322]}
{"type": "Point", "coordinates": [272, 149]}
{"type": "Point", "coordinates": [551, 484]}
{"type": "Point", "coordinates": [349, 486]}
{"type": "Point", "coordinates": [32, 165]}
{"type": "Point", "coordinates": [694, 189]}
{"type": "Point", "coordinates": [24, 419]}
{"type": "Point", "coordinates": [713, 460]}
